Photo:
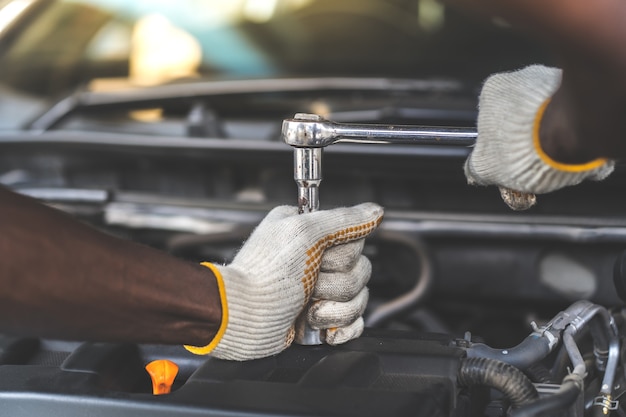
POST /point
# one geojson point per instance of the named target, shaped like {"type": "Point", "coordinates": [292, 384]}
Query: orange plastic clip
{"type": "Point", "coordinates": [163, 373]}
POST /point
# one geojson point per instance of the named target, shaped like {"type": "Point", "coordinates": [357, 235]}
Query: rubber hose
{"type": "Point", "coordinates": [559, 401]}
{"type": "Point", "coordinates": [529, 351]}
{"type": "Point", "coordinates": [499, 375]}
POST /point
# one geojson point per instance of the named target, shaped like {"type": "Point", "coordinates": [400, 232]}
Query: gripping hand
{"type": "Point", "coordinates": [288, 259]}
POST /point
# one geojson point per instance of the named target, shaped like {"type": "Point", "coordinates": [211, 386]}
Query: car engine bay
{"type": "Point", "coordinates": [475, 310]}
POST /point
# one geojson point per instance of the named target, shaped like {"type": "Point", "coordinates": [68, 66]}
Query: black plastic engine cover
{"type": "Point", "coordinates": [379, 374]}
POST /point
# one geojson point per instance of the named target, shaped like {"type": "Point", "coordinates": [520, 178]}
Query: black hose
{"type": "Point", "coordinates": [499, 375]}
{"type": "Point", "coordinates": [559, 401]}
{"type": "Point", "coordinates": [531, 350]}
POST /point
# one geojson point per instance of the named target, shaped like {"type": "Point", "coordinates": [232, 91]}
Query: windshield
{"type": "Point", "coordinates": [50, 48]}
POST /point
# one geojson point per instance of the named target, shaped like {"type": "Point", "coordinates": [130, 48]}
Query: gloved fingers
{"type": "Point", "coordinates": [332, 221]}
{"type": "Point", "coordinates": [342, 258]}
{"type": "Point", "coordinates": [517, 200]}
{"type": "Point", "coordinates": [283, 235]}
{"type": "Point", "coordinates": [343, 286]}
{"type": "Point", "coordinates": [339, 335]}
{"type": "Point", "coordinates": [276, 270]}
{"type": "Point", "coordinates": [325, 314]}
{"type": "Point", "coordinates": [470, 175]}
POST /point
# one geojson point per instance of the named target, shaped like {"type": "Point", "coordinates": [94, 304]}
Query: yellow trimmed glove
{"type": "Point", "coordinates": [275, 273]}
{"type": "Point", "coordinates": [508, 152]}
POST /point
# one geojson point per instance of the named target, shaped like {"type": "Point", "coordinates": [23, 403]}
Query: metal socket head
{"type": "Point", "coordinates": [308, 131]}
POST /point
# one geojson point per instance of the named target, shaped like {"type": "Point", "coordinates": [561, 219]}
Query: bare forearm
{"type": "Point", "coordinates": [63, 279]}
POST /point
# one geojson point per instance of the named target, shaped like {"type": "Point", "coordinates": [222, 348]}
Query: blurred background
{"type": "Point", "coordinates": [49, 48]}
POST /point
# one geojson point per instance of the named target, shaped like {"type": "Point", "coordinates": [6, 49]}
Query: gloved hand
{"type": "Point", "coordinates": [508, 152]}
{"type": "Point", "coordinates": [276, 271]}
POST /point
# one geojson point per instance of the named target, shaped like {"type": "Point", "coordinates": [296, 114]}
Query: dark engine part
{"type": "Point", "coordinates": [448, 258]}
{"type": "Point", "coordinates": [383, 373]}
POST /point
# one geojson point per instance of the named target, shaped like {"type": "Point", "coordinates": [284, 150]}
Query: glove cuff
{"type": "Point", "coordinates": [205, 350]}
{"type": "Point", "coordinates": [559, 166]}
{"type": "Point", "coordinates": [254, 327]}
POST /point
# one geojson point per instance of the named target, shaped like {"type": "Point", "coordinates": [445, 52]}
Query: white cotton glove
{"type": "Point", "coordinates": [275, 273]}
{"type": "Point", "coordinates": [507, 152]}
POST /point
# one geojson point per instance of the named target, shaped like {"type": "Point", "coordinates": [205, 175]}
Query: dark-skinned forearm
{"type": "Point", "coordinates": [63, 279]}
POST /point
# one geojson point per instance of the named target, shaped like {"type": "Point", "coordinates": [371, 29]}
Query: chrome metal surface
{"type": "Point", "coordinates": [307, 166]}
{"type": "Point", "coordinates": [309, 130]}
{"type": "Point", "coordinates": [305, 335]}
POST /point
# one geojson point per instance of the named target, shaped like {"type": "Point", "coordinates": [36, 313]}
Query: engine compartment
{"type": "Point", "coordinates": [453, 267]}
{"type": "Point", "coordinates": [392, 373]}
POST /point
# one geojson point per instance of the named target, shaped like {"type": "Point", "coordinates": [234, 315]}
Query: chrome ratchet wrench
{"type": "Point", "coordinates": [309, 134]}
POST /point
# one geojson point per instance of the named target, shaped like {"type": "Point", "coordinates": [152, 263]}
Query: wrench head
{"type": "Point", "coordinates": [307, 131]}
